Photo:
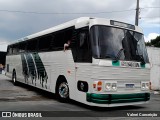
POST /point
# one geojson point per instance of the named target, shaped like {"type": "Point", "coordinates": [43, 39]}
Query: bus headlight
{"type": "Point", "coordinates": [114, 86]}
{"type": "Point", "coordinates": [145, 86]}
{"type": "Point", "coordinates": [110, 86]}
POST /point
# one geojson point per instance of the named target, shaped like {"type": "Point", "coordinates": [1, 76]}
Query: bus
{"type": "Point", "coordinates": [105, 65]}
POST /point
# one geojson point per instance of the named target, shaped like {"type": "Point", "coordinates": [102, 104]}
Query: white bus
{"type": "Point", "coordinates": [106, 63]}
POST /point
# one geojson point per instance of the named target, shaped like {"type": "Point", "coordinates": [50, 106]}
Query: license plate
{"type": "Point", "coordinates": [129, 85]}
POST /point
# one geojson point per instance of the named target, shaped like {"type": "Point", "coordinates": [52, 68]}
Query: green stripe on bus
{"type": "Point", "coordinates": [117, 98]}
{"type": "Point", "coordinates": [115, 63]}
{"type": "Point", "coordinates": [128, 100]}
{"type": "Point", "coordinates": [143, 66]}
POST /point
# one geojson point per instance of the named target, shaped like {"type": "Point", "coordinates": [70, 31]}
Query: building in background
{"type": "Point", "coordinates": [3, 52]}
{"type": "Point", "coordinates": [154, 58]}
{"type": "Point", "coordinates": [2, 61]}
{"type": "Point", "coordinates": [2, 58]}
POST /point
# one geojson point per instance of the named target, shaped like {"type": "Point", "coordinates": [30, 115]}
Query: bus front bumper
{"type": "Point", "coordinates": [117, 98]}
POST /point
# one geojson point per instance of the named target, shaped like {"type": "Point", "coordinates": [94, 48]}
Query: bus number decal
{"type": "Point", "coordinates": [130, 64]}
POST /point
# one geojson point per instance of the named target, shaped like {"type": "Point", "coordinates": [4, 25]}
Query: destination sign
{"type": "Point", "coordinates": [130, 64]}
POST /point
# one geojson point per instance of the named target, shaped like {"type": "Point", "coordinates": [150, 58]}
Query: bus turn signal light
{"type": "Point", "coordinates": [97, 85]}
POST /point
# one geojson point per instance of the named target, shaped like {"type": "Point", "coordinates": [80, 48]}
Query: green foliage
{"type": "Point", "coordinates": [154, 42]}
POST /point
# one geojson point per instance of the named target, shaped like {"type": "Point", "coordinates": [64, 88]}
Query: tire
{"type": "Point", "coordinates": [62, 91]}
{"type": "Point", "coordinates": [14, 78]}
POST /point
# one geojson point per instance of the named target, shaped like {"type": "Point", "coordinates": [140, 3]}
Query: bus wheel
{"type": "Point", "coordinates": [62, 91]}
{"type": "Point", "coordinates": [14, 77]}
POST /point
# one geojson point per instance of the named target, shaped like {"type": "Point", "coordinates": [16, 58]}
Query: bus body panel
{"type": "Point", "coordinates": [61, 63]}
{"type": "Point", "coordinates": [55, 63]}
{"type": "Point", "coordinates": [42, 69]}
{"type": "Point", "coordinates": [90, 73]}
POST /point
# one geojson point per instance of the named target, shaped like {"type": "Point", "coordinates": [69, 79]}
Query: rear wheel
{"type": "Point", "coordinates": [62, 91]}
{"type": "Point", "coordinates": [14, 77]}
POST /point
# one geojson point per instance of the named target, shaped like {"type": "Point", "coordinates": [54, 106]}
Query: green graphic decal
{"type": "Point", "coordinates": [143, 65]}
{"type": "Point", "coordinates": [34, 69]}
{"type": "Point", "coordinates": [41, 72]}
{"type": "Point", "coordinates": [24, 68]}
{"type": "Point", "coordinates": [31, 66]}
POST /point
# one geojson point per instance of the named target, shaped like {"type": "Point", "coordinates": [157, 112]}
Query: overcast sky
{"type": "Point", "coordinates": [15, 25]}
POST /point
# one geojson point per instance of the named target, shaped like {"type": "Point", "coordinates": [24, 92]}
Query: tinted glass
{"type": "Point", "coordinates": [22, 46]}
{"type": "Point", "coordinates": [32, 45]}
{"type": "Point", "coordinates": [110, 42]}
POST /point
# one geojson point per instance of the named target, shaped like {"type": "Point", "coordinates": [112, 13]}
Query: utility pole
{"type": "Point", "coordinates": [137, 13]}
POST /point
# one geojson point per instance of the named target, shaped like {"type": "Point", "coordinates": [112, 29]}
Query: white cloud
{"type": "Point", "coordinates": [151, 36]}
{"type": "Point", "coordinates": [3, 46]}
{"type": "Point", "coordinates": [149, 14]}
{"type": "Point", "coordinates": [15, 25]}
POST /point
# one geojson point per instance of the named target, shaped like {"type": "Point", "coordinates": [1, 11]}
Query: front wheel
{"type": "Point", "coordinates": [63, 91]}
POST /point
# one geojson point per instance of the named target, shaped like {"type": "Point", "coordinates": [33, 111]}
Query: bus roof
{"type": "Point", "coordinates": [77, 23]}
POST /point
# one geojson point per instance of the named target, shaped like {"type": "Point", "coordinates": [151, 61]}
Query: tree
{"type": "Point", "coordinates": [154, 42]}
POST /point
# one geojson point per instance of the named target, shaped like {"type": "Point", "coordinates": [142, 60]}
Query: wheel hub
{"type": "Point", "coordinates": [63, 90]}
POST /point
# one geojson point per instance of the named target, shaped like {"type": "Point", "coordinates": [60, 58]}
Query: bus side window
{"type": "Point", "coordinates": [15, 49]}
{"type": "Point", "coordinates": [32, 45]}
{"type": "Point", "coordinates": [68, 33]}
{"type": "Point", "coordinates": [59, 40]}
{"type": "Point", "coordinates": [22, 46]}
{"type": "Point", "coordinates": [44, 43]}
{"type": "Point", "coordinates": [83, 50]}
{"type": "Point", "coordinates": [7, 67]}
{"type": "Point", "coordinates": [9, 50]}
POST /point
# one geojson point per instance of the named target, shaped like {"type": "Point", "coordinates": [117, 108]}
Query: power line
{"type": "Point", "coordinates": [151, 17]}
{"type": "Point", "coordinates": [34, 12]}
{"type": "Point", "coordinates": [149, 7]}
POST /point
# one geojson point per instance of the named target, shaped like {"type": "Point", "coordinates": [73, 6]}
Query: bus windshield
{"type": "Point", "coordinates": [116, 43]}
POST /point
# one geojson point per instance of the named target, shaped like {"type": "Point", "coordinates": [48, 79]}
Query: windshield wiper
{"type": "Point", "coordinates": [141, 59]}
{"type": "Point", "coordinates": [118, 54]}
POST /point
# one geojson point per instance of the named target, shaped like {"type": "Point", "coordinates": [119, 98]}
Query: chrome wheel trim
{"type": "Point", "coordinates": [63, 90]}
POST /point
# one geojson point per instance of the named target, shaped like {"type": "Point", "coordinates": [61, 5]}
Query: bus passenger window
{"type": "Point", "coordinates": [32, 45]}
{"type": "Point", "coordinates": [22, 47]}
{"type": "Point", "coordinates": [15, 49]}
{"type": "Point", "coordinates": [59, 40]}
{"type": "Point", "coordinates": [9, 50]}
{"type": "Point", "coordinates": [83, 51]}
{"type": "Point", "coordinates": [45, 43]}
{"type": "Point", "coordinates": [82, 39]}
